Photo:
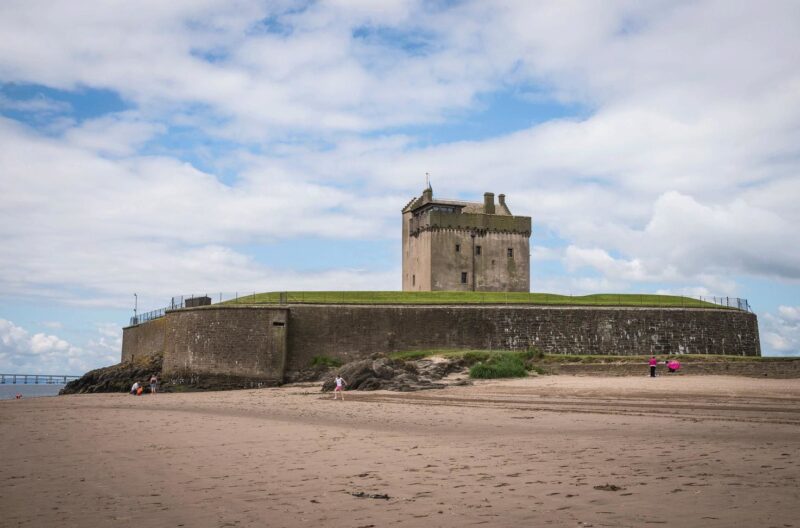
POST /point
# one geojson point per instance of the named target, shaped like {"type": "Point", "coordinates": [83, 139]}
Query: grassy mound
{"type": "Point", "coordinates": [501, 366]}
{"type": "Point", "coordinates": [452, 297]}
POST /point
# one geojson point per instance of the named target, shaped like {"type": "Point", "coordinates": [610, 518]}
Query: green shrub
{"type": "Point", "coordinates": [325, 361]}
{"type": "Point", "coordinates": [472, 357]}
{"type": "Point", "coordinates": [502, 365]}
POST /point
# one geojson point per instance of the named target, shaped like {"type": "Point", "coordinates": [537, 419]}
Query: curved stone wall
{"type": "Point", "coordinates": [261, 342]}
{"type": "Point", "coordinates": [146, 339]}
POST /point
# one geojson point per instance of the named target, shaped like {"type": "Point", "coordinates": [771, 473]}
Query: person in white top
{"type": "Point", "coordinates": [340, 384]}
{"type": "Point", "coordinates": [135, 388]}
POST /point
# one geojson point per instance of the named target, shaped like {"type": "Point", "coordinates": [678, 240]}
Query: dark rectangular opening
{"type": "Point", "coordinates": [278, 323]}
{"type": "Point", "coordinates": [477, 250]}
{"type": "Point", "coordinates": [458, 248]}
{"type": "Point", "coordinates": [510, 252]}
{"type": "Point", "coordinates": [463, 277]}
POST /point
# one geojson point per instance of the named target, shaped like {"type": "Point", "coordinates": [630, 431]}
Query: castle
{"type": "Point", "coordinates": [447, 245]}
{"type": "Point", "coordinates": [452, 245]}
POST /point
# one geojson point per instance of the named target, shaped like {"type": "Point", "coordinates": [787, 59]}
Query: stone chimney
{"type": "Point", "coordinates": [502, 199]}
{"type": "Point", "coordinates": [488, 203]}
{"type": "Point", "coordinates": [427, 195]}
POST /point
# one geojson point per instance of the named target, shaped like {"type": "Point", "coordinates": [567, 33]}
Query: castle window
{"type": "Point", "coordinates": [510, 252]}
{"type": "Point", "coordinates": [458, 248]}
{"type": "Point", "coordinates": [413, 280]}
{"type": "Point", "coordinates": [477, 250]}
{"type": "Point", "coordinates": [463, 277]}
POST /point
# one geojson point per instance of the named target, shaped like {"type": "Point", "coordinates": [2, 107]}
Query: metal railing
{"type": "Point", "coordinates": [148, 316]}
{"type": "Point", "coordinates": [177, 302]}
{"type": "Point", "coordinates": [728, 302]}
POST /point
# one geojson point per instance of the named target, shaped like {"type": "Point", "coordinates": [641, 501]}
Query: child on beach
{"type": "Point", "coordinates": [153, 384]}
{"type": "Point", "coordinates": [135, 388]}
{"type": "Point", "coordinates": [653, 364]}
{"type": "Point", "coordinates": [340, 383]}
{"type": "Point", "coordinates": [674, 365]}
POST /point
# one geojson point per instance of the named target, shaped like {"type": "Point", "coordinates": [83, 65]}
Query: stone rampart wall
{"type": "Point", "coordinates": [239, 342]}
{"type": "Point", "coordinates": [261, 343]}
{"type": "Point", "coordinates": [144, 340]}
{"type": "Point", "coordinates": [351, 332]}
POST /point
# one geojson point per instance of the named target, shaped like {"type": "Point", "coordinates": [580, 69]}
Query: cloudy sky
{"type": "Point", "coordinates": [206, 146]}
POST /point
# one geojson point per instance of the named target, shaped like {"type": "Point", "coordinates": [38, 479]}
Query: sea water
{"type": "Point", "coordinates": [9, 391]}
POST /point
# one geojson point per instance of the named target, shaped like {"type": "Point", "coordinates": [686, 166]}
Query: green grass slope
{"type": "Point", "coordinates": [398, 297]}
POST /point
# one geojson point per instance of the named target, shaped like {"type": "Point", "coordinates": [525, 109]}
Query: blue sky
{"type": "Point", "coordinates": [170, 149]}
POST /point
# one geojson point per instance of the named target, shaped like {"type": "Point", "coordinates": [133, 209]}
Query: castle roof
{"type": "Point", "coordinates": [426, 199]}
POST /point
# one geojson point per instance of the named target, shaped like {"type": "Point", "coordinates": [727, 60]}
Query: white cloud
{"type": "Point", "coordinates": [116, 135]}
{"type": "Point", "coordinates": [23, 353]}
{"type": "Point", "coordinates": [781, 331]}
{"type": "Point", "coordinates": [681, 169]}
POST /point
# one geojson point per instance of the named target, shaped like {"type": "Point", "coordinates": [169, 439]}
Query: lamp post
{"type": "Point", "coordinates": [135, 308]}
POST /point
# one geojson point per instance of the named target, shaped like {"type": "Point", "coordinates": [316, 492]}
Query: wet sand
{"type": "Point", "coordinates": [546, 451]}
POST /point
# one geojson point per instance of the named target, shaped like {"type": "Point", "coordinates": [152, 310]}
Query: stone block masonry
{"type": "Point", "coordinates": [259, 344]}
{"type": "Point", "coordinates": [353, 332]}
{"type": "Point", "coordinates": [144, 340]}
{"type": "Point", "coordinates": [235, 342]}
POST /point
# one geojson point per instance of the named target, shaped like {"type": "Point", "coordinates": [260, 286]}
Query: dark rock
{"type": "Point", "coordinates": [609, 487]}
{"type": "Point", "coordinates": [395, 375]}
{"type": "Point", "coordinates": [313, 373]}
{"type": "Point", "coordinates": [362, 495]}
{"type": "Point", "coordinates": [116, 378]}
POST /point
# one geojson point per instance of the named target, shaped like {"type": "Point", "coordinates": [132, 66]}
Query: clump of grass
{"type": "Point", "coordinates": [472, 357]}
{"type": "Point", "coordinates": [503, 365]}
{"type": "Point", "coordinates": [411, 355]}
{"type": "Point", "coordinates": [325, 361]}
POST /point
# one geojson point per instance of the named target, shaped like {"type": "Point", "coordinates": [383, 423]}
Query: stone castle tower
{"type": "Point", "coordinates": [464, 246]}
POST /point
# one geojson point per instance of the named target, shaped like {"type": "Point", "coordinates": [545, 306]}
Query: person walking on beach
{"type": "Point", "coordinates": [653, 364]}
{"type": "Point", "coordinates": [153, 384]}
{"type": "Point", "coordinates": [340, 384]}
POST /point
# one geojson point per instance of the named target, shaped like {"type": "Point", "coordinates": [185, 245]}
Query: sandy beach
{"type": "Point", "coordinates": [545, 451]}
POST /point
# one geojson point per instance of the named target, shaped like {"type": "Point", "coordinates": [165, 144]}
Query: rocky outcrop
{"type": "Point", "coordinates": [385, 374]}
{"type": "Point", "coordinates": [368, 374]}
{"type": "Point", "coordinates": [116, 378]}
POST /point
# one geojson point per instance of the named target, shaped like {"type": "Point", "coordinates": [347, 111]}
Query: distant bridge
{"type": "Point", "coordinates": [36, 379]}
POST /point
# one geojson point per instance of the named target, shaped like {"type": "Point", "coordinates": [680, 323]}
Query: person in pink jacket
{"type": "Point", "coordinates": [653, 364]}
